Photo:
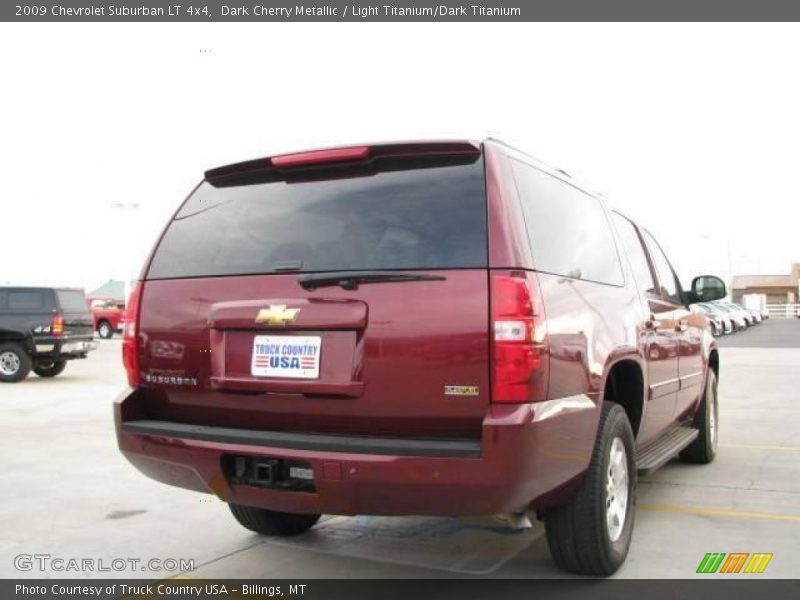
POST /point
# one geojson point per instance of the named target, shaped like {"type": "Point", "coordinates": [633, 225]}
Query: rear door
{"type": "Point", "coordinates": [74, 309]}
{"type": "Point", "coordinates": [232, 337]}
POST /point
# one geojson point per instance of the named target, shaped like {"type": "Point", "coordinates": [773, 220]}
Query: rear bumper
{"type": "Point", "coordinates": [63, 348]}
{"type": "Point", "coordinates": [530, 455]}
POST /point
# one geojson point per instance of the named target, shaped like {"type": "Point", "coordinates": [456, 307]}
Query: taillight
{"type": "Point", "coordinates": [520, 352]}
{"type": "Point", "coordinates": [57, 326]}
{"type": "Point", "coordinates": [130, 334]}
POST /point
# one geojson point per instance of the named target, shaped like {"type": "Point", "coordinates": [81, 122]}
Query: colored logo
{"type": "Point", "coordinates": [296, 356]}
{"type": "Point", "coordinates": [286, 356]}
{"type": "Point", "coordinates": [277, 314]}
{"type": "Point", "coordinates": [735, 562]}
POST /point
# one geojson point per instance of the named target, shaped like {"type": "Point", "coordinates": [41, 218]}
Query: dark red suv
{"type": "Point", "coordinates": [440, 328]}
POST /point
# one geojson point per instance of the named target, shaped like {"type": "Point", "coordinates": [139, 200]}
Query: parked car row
{"type": "Point", "coordinates": [727, 317]}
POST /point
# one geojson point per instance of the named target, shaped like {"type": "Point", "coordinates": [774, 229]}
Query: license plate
{"type": "Point", "coordinates": [290, 356]}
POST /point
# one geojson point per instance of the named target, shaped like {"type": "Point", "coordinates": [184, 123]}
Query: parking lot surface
{"type": "Point", "coordinates": [67, 492]}
{"type": "Point", "coordinates": [775, 333]}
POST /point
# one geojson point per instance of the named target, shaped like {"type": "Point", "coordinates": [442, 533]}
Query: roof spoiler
{"type": "Point", "coordinates": [348, 161]}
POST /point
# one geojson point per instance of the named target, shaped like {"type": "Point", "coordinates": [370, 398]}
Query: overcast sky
{"type": "Point", "coordinates": [692, 129]}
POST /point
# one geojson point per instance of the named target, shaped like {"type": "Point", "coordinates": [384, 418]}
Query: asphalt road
{"type": "Point", "coordinates": [68, 493]}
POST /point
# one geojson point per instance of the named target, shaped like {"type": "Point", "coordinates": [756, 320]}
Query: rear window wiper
{"type": "Point", "coordinates": [349, 280]}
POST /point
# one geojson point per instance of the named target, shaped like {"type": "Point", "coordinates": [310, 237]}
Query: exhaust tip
{"type": "Point", "coordinates": [515, 520]}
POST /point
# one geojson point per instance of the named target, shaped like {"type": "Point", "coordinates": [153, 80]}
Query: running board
{"type": "Point", "coordinates": [656, 454]}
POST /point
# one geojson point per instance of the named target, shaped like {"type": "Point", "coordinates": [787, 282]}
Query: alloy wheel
{"type": "Point", "coordinates": [9, 363]}
{"type": "Point", "coordinates": [713, 417]}
{"type": "Point", "coordinates": [616, 489]}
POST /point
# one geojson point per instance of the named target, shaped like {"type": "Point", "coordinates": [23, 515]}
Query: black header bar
{"type": "Point", "coordinates": [399, 10]}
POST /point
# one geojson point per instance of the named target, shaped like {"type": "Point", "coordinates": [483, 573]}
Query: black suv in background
{"type": "Point", "coordinates": [41, 329]}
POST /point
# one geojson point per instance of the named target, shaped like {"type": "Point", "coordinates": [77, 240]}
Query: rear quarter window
{"type": "Point", "coordinates": [424, 218]}
{"type": "Point", "coordinates": [568, 229]}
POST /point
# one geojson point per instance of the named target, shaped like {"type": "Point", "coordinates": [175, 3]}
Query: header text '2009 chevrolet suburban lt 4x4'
{"type": "Point", "coordinates": [440, 328]}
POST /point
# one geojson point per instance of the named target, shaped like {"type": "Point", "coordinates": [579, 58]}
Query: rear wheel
{"type": "Point", "coordinates": [104, 330]}
{"type": "Point", "coordinates": [704, 448]}
{"type": "Point", "coordinates": [50, 369]}
{"type": "Point", "coordinates": [15, 364]}
{"type": "Point", "coordinates": [590, 534]}
{"type": "Point", "coordinates": [270, 522]}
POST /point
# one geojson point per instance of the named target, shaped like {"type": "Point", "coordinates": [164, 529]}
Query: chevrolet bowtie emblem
{"type": "Point", "coordinates": [277, 314]}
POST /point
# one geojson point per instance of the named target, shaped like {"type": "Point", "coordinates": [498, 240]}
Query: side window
{"type": "Point", "coordinates": [633, 248]}
{"type": "Point", "coordinates": [666, 276]}
{"type": "Point", "coordinates": [568, 229]}
{"type": "Point", "coordinates": [24, 300]}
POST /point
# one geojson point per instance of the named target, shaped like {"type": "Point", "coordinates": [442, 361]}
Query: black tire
{"type": "Point", "coordinates": [15, 362]}
{"type": "Point", "coordinates": [270, 522]}
{"type": "Point", "coordinates": [578, 533]}
{"type": "Point", "coordinates": [50, 369]}
{"type": "Point", "coordinates": [704, 448]}
{"type": "Point", "coordinates": [104, 330]}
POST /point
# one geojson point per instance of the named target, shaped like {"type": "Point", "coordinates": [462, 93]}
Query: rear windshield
{"type": "Point", "coordinates": [426, 218]}
{"type": "Point", "coordinates": [72, 301]}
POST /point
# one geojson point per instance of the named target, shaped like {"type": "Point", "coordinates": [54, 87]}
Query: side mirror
{"type": "Point", "coordinates": [708, 288]}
